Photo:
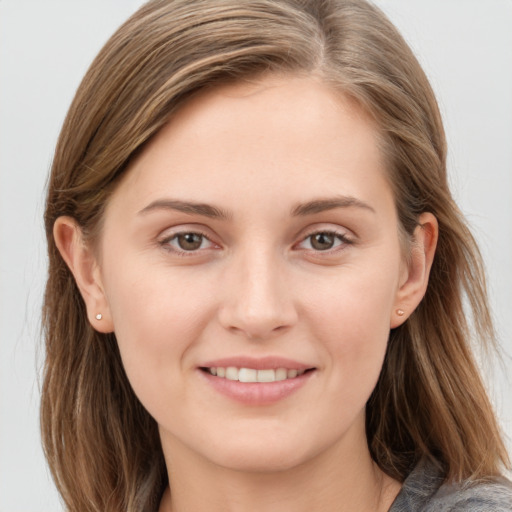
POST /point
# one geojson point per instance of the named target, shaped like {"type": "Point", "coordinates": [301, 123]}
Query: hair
{"type": "Point", "coordinates": [102, 446]}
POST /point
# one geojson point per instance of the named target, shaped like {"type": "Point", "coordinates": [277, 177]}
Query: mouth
{"type": "Point", "coordinates": [256, 381]}
{"type": "Point", "coordinates": [252, 375]}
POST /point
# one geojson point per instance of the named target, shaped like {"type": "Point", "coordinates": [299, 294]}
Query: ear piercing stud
{"type": "Point", "coordinates": [399, 312]}
{"type": "Point", "coordinates": [99, 316]}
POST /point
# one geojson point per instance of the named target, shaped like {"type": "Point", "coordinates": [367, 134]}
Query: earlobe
{"type": "Point", "coordinates": [412, 290]}
{"type": "Point", "coordinates": [82, 263]}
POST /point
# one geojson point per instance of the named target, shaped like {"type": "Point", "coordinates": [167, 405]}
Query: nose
{"type": "Point", "coordinates": [258, 301]}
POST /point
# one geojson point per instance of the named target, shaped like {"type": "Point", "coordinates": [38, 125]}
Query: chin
{"type": "Point", "coordinates": [261, 454]}
{"type": "Point", "coordinates": [261, 461]}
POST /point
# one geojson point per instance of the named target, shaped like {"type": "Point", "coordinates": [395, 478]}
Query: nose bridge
{"type": "Point", "coordinates": [258, 301]}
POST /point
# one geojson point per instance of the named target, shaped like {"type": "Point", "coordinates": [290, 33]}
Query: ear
{"type": "Point", "coordinates": [82, 262]}
{"type": "Point", "coordinates": [414, 281]}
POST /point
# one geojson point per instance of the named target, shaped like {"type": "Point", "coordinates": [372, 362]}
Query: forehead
{"type": "Point", "coordinates": [278, 137]}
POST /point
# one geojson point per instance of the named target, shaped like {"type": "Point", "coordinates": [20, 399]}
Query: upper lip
{"type": "Point", "coordinates": [257, 363]}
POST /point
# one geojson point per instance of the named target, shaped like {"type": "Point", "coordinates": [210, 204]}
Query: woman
{"type": "Point", "coordinates": [257, 273]}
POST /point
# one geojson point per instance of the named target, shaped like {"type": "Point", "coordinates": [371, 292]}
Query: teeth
{"type": "Point", "coordinates": [247, 375]}
{"type": "Point", "coordinates": [251, 375]}
{"type": "Point", "coordinates": [281, 374]}
{"type": "Point", "coordinates": [232, 373]}
{"type": "Point", "coordinates": [266, 375]}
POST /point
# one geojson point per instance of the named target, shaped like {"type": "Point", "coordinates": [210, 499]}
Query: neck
{"type": "Point", "coordinates": [341, 479]}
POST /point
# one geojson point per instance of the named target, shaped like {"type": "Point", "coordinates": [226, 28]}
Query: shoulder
{"type": "Point", "coordinates": [424, 491]}
{"type": "Point", "coordinates": [482, 496]}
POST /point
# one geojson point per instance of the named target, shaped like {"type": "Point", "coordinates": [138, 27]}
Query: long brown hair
{"type": "Point", "coordinates": [102, 446]}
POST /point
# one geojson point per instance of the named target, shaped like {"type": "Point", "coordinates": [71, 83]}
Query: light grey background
{"type": "Point", "coordinates": [45, 48]}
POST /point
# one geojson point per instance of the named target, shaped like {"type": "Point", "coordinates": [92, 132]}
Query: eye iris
{"type": "Point", "coordinates": [190, 241]}
{"type": "Point", "coordinates": [322, 241]}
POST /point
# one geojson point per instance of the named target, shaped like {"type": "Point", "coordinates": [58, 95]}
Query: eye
{"type": "Point", "coordinates": [187, 242]}
{"type": "Point", "coordinates": [324, 241]}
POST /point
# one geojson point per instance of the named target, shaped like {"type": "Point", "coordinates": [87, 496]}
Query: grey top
{"type": "Point", "coordinates": [424, 491]}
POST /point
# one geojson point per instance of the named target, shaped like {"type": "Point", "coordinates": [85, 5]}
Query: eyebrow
{"type": "Point", "coordinates": [330, 203]}
{"type": "Point", "coordinates": [214, 212]}
{"type": "Point", "coordinates": [206, 210]}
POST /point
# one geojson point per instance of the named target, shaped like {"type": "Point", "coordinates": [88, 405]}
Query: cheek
{"type": "Point", "coordinates": [352, 318]}
{"type": "Point", "coordinates": [168, 303]}
{"type": "Point", "coordinates": [355, 302]}
{"type": "Point", "coordinates": [158, 318]}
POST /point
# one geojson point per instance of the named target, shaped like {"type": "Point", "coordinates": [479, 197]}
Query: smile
{"type": "Point", "coordinates": [252, 375]}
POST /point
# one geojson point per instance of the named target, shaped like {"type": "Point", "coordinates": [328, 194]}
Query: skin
{"type": "Point", "coordinates": [257, 286]}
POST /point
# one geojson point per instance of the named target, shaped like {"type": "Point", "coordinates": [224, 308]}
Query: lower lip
{"type": "Point", "coordinates": [257, 393]}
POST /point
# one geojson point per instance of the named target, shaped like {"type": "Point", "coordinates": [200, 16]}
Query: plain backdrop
{"type": "Point", "coordinates": [46, 46]}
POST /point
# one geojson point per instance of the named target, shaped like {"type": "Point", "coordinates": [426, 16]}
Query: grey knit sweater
{"type": "Point", "coordinates": [424, 491]}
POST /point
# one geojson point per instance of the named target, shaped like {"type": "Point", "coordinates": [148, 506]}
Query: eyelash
{"type": "Point", "coordinates": [341, 237]}
{"type": "Point", "coordinates": [166, 243]}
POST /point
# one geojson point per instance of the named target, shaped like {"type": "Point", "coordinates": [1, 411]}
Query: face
{"type": "Point", "coordinates": [255, 239]}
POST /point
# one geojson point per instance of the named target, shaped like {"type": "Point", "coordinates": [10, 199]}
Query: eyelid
{"type": "Point", "coordinates": [172, 233]}
{"type": "Point", "coordinates": [342, 235]}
